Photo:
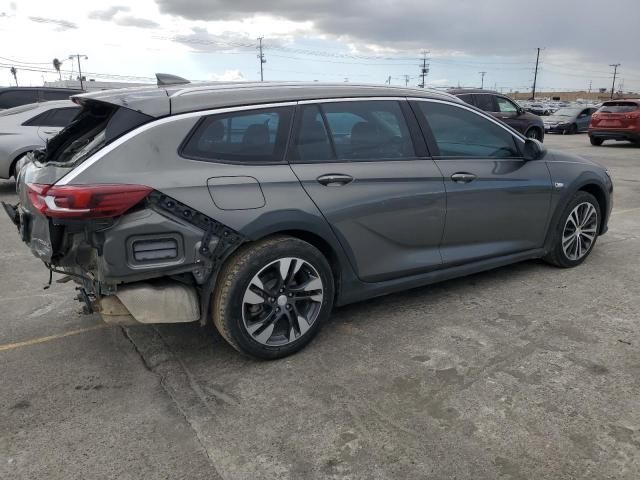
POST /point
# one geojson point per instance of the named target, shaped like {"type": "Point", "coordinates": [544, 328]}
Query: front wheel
{"type": "Point", "coordinates": [576, 232]}
{"type": "Point", "coordinates": [596, 142]}
{"type": "Point", "coordinates": [534, 133]}
{"type": "Point", "coordinates": [273, 296]}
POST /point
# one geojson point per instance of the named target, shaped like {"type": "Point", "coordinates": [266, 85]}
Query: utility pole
{"type": "Point", "coordinates": [535, 76]}
{"type": "Point", "coordinates": [590, 85]}
{"type": "Point", "coordinates": [261, 58]}
{"type": "Point", "coordinates": [482, 74]}
{"type": "Point", "coordinates": [78, 55]}
{"type": "Point", "coordinates": [388, 82]}
{"type": "Point", "coordinates": [406, 80]}
{"type": "Point", "coordinates": [424, 69]}
{"type": "Point", "coordinates": [615, 72]}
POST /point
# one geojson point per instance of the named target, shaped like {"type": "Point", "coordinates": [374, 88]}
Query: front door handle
{"type": "Point", "coordinates": [463, 177]}
{"type": "Point", "coordinates": [334, 179]}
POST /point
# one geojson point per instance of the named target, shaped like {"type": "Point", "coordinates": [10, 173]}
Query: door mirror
{"type": "Point", "coordinates": [533, 149]}
{"type": "Point", "coordinates": [521, 111]}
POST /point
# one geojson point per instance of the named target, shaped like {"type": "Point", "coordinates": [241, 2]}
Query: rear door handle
{"type": "Point", "coordinates": [463, 177]}
{"type": "Point", "coordinates": [334, 179]}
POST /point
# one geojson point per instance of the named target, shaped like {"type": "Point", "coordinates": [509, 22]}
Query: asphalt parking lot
{"type": "Point", "coordinates": [526, 372]}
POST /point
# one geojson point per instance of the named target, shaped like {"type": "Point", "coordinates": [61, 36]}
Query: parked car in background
{"type": "Point", "coordinates": [15, 96]}
{"type": "Point", "coordinates": [502, 107]}
{"type": "Point", "coordinates": [569, 120]}
{"type": "Point", "coordinates": [28, 127]}
{"type": "Point", "coordinates": [616, 120]}
{"type": "Point", "coordinates": [539, 109]}
{"type": "Point", "coordinates": [261, 206]}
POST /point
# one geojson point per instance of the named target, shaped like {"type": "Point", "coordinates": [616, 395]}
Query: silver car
{"type": "Point", "coordinates": [27, 128]}
{"type": "Point", "coordinates": [261, 206]}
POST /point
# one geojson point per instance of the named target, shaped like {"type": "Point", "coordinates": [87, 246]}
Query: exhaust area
{"type": "Point", "coordinates": [145, 303]}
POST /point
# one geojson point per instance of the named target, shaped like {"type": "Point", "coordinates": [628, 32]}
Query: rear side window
{"type": "Point", "coordinates": [57, 95]}
{"type": "Point", "coordinates": [253, 136]}
{"type": "Point", "coordinates": [485, 102]}
{"type": "Point", "coordinates": [56, 117]}
{"type": "Point", "coordinates": [311, 140]}
{"type": "Point", "coordinates": [618, 107]}
{"type": "Point", "coordinates": [15, 98]}
{"type": "Point", "coordinates": [368, 130]}
{"type": "Point", "coordinates": [459, 132]}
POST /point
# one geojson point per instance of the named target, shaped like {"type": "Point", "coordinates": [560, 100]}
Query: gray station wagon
{"type": "Point", "coordinates": [262, 206]}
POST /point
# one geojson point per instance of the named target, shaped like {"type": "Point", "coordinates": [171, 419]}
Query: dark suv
{"type": "Point", "coordinates": [15, 96]}
{"type": "Point", "coordinates": [261, 206]}
{"type": "Point", "coordinates": [505, 109]}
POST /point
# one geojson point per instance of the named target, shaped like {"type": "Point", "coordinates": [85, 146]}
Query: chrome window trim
{"type": "Point", "coordinates": [73, 174]}
{"type": "Point", "coordinates": [480, 113]}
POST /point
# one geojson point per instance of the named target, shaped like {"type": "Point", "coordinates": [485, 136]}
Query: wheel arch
{"type": "Point", "coordinates": [598, 192]}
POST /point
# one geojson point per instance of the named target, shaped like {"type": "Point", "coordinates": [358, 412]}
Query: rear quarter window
{"type": "Point", "coordinates": [251, 136]}
{"type": "Point", "coordinates": [618, 107]}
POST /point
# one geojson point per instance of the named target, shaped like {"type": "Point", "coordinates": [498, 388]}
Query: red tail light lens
{"type": "Point", "coordinates": [85, 201]}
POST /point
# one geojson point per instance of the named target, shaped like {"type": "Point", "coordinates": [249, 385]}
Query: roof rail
{"type": "Point", "coordinates": [168, 79]}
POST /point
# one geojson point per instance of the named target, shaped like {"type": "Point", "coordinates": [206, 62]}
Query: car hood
{"type": "Point", "coordinates": [560, 119]}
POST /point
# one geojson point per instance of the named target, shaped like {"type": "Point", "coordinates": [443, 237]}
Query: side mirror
{"type": "Point", "coordinates": [533, 149]}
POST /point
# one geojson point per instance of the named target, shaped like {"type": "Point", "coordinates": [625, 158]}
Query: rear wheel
{"type": "Point", "coordinates": [596, 141]}
{"type": "Point", "coordinates": [272, 297]}
{"type": "Point", "coordinates": [573, 129]}
{"type": "Point", "coordinates": [576, 232]}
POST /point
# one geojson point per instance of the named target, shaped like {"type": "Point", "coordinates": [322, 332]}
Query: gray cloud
{"type": "Point", "coordinates": [201, 40]}
{"type": "Point", "coordinates": [61, 24]}
{"type": "Point", "coordinates": [108, 13]}
{"type": "Point", "coordinates": [130, 21]}
{"type": "Point", "coordinates": [499, 27]}
{"type": "Point", "coordinates": [111, 14]}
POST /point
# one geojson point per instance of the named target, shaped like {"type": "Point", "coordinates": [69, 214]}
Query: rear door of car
{"type": "Point", "coordinates": [583, 118]}
{"type": "Point", "coordinates": [364, 164]}
{"type": "Point", "coordinates": [497, 203]}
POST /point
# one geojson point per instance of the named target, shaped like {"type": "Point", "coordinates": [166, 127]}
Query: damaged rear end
{"type": "Point", "coordinates": [136, 254]}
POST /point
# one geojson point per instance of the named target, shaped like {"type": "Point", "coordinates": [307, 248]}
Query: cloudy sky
{"type": "Point", "coordinates": [332, 40]}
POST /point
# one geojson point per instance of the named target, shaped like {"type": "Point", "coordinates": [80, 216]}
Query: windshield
{"type": "Point", "coordinates": [567, 112]}
{"type": "Point", "coordinates": [618, 107]}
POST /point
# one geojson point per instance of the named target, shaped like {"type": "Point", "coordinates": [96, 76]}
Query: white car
{"type": "Point", "coordinates": [27, 128]}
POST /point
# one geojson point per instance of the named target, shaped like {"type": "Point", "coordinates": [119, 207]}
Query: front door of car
{"type": "Point", "coordinates": [509, 113]}
{"type": "Point", "coordinates": [497, 203]}
{"type": "Point", "coordinates": [364, 164]}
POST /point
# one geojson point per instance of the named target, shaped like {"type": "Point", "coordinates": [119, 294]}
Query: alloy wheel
{"type": "Point", "coordinates": [282, 301]}
{"type": "Point", "coordinates": [580, 231]}
{"type": "Point", "coordinates": [533, 133]}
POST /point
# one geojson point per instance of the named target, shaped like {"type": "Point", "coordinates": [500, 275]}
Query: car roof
{"type": "Point", "coordinates": [42, 89]}
{"type": "Point", "coordinates": [636, 100]}
{"type": "Point", "coordinates": [458, 91]}
{"type": "Point", "coordinates": [174, 99]}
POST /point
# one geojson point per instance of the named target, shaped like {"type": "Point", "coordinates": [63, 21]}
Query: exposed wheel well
{"type": "Point", "coordinates": [324, 247]}
{"type": "Point", "coordinates": [12, 168]}
{"type": "Point", "coordinates": [597, 192]}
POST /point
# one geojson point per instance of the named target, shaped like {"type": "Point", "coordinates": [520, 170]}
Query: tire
{"type": "Point", "coordinates": [573, 129]}
{"type": "Point", "coordinates": [267, 321]}
{"type": "Point", "coordinates": [596, 142]}
{"type": "Point", "coordinates": [534, 133]}
{"type": "Point", "coordinates": [582, 206]}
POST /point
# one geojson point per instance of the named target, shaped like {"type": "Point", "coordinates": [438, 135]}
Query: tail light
{"type": "Point", "coordinates": [85, 201]}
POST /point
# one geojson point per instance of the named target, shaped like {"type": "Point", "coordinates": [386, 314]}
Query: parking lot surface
{"type": "Point", "coordinates": [525, 372]}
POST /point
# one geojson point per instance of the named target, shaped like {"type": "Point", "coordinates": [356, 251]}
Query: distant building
{"type": "Point", "coordinates": [92, 85]}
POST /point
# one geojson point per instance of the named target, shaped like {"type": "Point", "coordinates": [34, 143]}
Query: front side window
{"type": "Point", "coordinates": [366, 130]}
{"type": "Point", "coordinates": [506, 106]}
{"type": "Point", "coordinates": [459, 132]}
{"type": "Point", "coordinates": [247, 136]}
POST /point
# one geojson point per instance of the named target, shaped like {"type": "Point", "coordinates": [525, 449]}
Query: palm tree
{"type": "Point", "coordinates": [57, 64]}
{"type": "Point", "coordinates": [14, 72]}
